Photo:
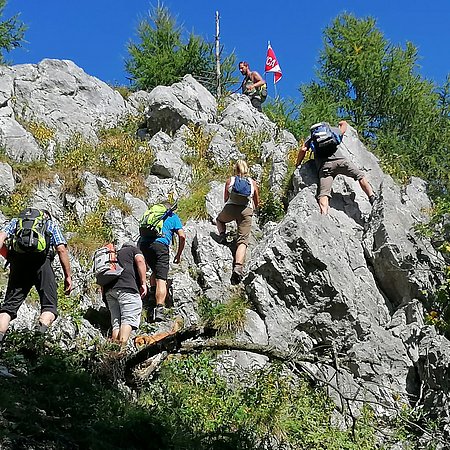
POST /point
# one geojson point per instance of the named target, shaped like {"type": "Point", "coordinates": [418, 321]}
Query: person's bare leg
{"type": "Point", "coordinates": [5, 318]}
{"type": "Point", "coordinates": [161, 292]}
{"type": "Point", "coordinates": [323, 204]}
{"type": "Point", "coordinates": [124, 333]}
{"type": "Point", "coordinates": [47, 318]}
{"type": "Point", "coordinates": [115, 334]}
{"type": "Point", "coordinates": [240, 254]}
{"type": "Point", "coordinates": [366, 187]}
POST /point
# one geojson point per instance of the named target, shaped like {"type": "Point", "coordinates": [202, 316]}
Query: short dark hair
{"type": "Point", "coordinates": [244, 63]}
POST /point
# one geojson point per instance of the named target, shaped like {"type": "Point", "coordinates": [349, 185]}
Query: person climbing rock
{"type": "Point", "coordinates": [124, 294]}
{"type": "Point", "coordinates": [324, 142]}
{"type": "Point", "coordinates": [32, 239]}
{"type": "Point", "coordinates": [241, 196]}
{"type": "Point", "coordinates": [158, 226]}
{"type": "Point", "coordinates": [253, 85]}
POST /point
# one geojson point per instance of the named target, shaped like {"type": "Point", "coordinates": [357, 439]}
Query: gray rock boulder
{"type": "Point", "coordinates": [239, 362]}
{"type": "Point", "coordinates": [434, 372]}
{"type": "Point", "coordinates": [185, 292]}
{"type": "Point", "coordinates": [404, 263]}
{"type": "Point", "coordinates": [358, 300]}
{"type": "Point", "coordinates": [222, 148]}
{"type": "Point", "coordinates": [169, 107]}
{"type": "Point", "coordinates": [19, 144]}
{"type": "Point", "coordinates": [240, 114]}
{"type": "Point", "coordinates": [170, 165]}
{"type": "Point", "coordinates": [6, 86]}
{"type": "Point", "coordinates": [7, 182]}
{"type": "Point", "coordinates": [60, 95]}
{"type": "Point", "coordinates": [214, 200]}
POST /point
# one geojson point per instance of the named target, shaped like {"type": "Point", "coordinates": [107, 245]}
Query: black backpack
{"type": "Point", "coordinates": [31, 234]}
{"type": "Point", "coordinates": [324, 142]}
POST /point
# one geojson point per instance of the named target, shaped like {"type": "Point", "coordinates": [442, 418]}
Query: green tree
{"type": "Point", "coordinates": [163, 57]}
{"type": "Point", "coordinates": [12, 32]}
{"type": "Point", "coordinates": [376, 86]}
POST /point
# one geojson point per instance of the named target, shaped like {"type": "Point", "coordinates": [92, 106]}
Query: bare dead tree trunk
{"type": "Point", "coordinates": [218, 83]}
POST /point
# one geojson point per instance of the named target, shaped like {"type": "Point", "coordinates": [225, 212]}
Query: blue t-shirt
{"type": "Point", "coordinates": [170, 226]}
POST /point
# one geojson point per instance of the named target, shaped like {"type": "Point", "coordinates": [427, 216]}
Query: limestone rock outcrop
{"type": "Point", "coordinates": [347, 287]}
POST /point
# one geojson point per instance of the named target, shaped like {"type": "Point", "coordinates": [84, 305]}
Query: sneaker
{"type": "Point", "coordinates": [158, 314]}
{"type": "Point", "coordinates": [372, 199]}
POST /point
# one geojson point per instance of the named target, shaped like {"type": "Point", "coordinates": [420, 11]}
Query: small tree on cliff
{"type": "Point", "coordinates": [163, 57]}
{"type": "Point", "coordinates": [12, 31]}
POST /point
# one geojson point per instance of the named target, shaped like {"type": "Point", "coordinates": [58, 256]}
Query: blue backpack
{"type": "Point", "coordinates": [324, 142]}
{"type": "Point", "coordinates": [242, 186]}
{"type": "Point", "coordinates": [241, 191]}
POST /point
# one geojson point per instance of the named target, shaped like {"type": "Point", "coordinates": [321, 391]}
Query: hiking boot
{"type": "Point", "coordinates": [222, 238]}
{"type": "Point", "coordinates": [237, 275]}
{"type": "Point", "coordinates": [158, 314]}
{"type": "Point", "coordinates": [40, 328]}
{"type": "Point", "coordinates": [372, 199]}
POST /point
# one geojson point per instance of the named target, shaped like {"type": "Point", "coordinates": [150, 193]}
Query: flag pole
{"type": "Point", "coordinates": [275, 88]}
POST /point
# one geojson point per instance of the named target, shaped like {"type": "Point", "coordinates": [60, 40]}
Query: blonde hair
{"type": "Point", "coordinates": [241, 168]}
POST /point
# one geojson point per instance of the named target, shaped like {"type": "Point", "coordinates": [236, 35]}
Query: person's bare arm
{"type": "Point", "coordinates": [65, 264]}
{"type": "Point", "coordinates": [255, 194]}
{"type": "Point", "coordinates": [181, 244]}
{"type": "Point", "coordinates": [3, 237]}
{"type": "Point", "coordinates": [226, 194]}
{"type": "Point", "coordinates": [343, 126]}
{"type": "Point", "coordinates": [142, 269]}
{"type": "Point", "coordinates": [257, 81]}
{"type": "Point", "coordinates": [301, 154]}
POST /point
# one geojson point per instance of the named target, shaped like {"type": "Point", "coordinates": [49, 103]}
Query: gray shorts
{"type": "Point", "coordinates": [125, 306]}
{"type": "Point", "coordinates": [330, 169]}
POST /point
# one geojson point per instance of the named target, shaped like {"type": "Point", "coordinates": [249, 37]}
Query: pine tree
{"type": "Point", "coordinates": [162, 57]}
{"type": "Point", "coordinates": [12, 32]}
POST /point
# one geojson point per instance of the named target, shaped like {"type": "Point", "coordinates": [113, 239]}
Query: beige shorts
{"type": "Point", "coordinates": [330, 169]}
{"type": "Point", "coordinates": [242, 215]}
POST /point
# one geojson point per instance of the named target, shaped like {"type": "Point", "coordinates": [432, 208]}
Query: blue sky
{"type": "Point", "coordinates": [94, 34]}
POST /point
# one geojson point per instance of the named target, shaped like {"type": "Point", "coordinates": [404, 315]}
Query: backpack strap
{"type": "Point", "coordinates": [252, 187]}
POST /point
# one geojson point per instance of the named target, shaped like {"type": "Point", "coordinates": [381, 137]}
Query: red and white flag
{"type": "Point", "coordinates": [272, 64]}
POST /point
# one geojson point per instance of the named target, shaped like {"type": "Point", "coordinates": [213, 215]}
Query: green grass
{"type": "Point", "coordinates": [268, 408]}
{"type": "Point", "coordinates": [226, 318]}
{"type": "Point", "coordinates": [69, 399]}
{"type": "Point", "coordinates": [56, 401]}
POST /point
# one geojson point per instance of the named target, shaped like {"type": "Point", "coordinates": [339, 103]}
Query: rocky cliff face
{"type": "Point", "coordinates": [346, 287]}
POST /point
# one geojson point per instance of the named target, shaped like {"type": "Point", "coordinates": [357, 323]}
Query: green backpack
{"type": "Point", "coordinates": [31, 235]}
{"type": "Point", "coordinates": [152, 221]}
